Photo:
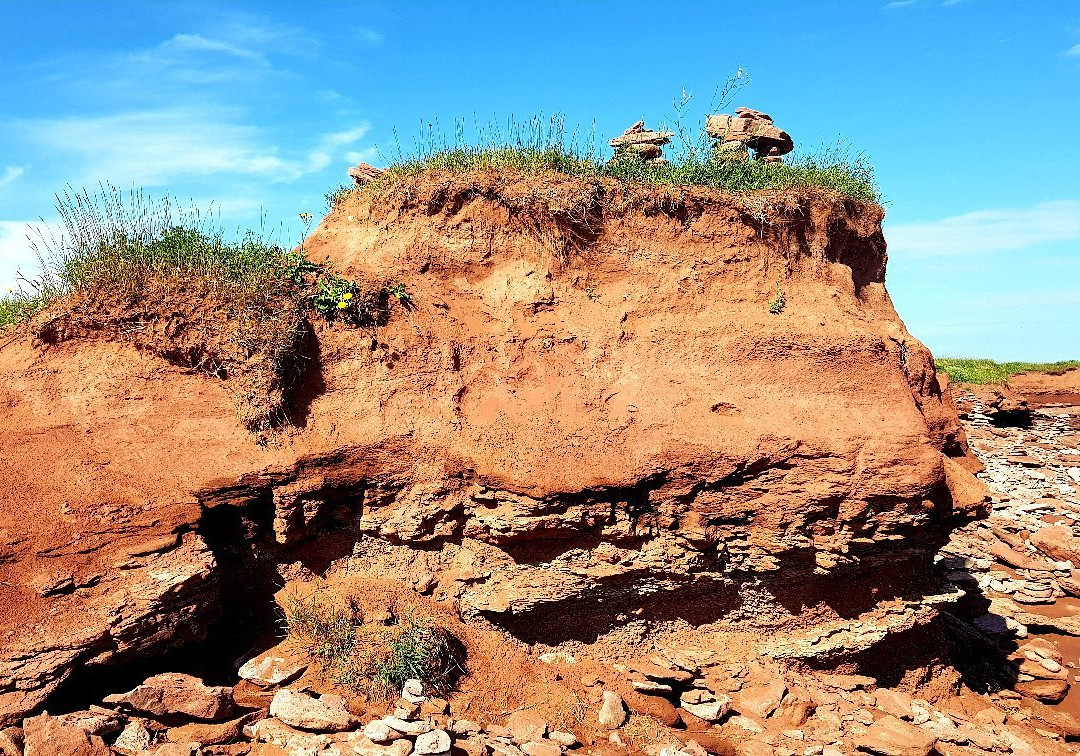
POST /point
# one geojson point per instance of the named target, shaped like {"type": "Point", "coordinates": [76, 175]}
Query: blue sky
{"type": "Point", "coordinates": [969, 110]}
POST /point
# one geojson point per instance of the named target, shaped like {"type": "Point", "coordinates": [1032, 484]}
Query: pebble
{"type": "Point", "coordinates": [433, 742]}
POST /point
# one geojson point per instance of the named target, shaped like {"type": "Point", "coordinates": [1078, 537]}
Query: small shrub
{"type": "Point", "coordinates": [373, 658]}
{"type": "Point", "coordinates": [778, 301]}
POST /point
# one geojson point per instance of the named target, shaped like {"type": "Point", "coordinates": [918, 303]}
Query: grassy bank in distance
{"type": "Point", "coordinates": [973, 370]}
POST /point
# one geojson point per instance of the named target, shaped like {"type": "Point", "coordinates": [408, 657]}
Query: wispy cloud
{"type": "Point", "coordinates": [898, 4]}
{"type": "Point", "coordinates": [989, 230]}
{"type": "Point", "coordinates": [155, 147]}
{"type": "Point", "coordinates": [1074, 51]}
{"type": "Point", "coordinates": [185, 44]}
{"type": "Point", "coordinates": [370, 36]}
{"type": "Point", "coordinates": [11, 173]}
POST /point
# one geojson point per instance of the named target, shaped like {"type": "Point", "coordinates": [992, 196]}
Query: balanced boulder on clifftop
{"type": "Point", "coordinates": [748, 130]}
{"type": "Point", "coordinates": [645, 143]}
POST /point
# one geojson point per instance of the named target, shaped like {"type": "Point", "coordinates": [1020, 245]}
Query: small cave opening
{"type": "Point", "coordinates": [234, 619]}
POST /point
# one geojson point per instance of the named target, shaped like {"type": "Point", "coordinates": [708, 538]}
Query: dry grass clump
{"type": "Point", "coordinates": [641, 730]}
{"type": "Point", "coordinates": [375, 656]}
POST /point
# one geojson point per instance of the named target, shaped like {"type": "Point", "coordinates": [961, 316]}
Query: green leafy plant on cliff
{"type": "Point", "coordinates": [983, 371]}
{"type": "Point", "coordinates": [778, 301]}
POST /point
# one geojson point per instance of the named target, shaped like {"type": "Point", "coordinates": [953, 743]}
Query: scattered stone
{"type": "Point", "coordinates": [526, 725]}
{"type": "Point", "coordinates": [209, 733]}
{"type": "Point", "coordinates": [761, 700]}
{"type": "Point", "coordinates": [705, 705]}
{"type": "Point", "coordinates": [613, 711]}
{"type": "Point", "coordinates": [134, 738]}
{"type": "Point", "coordinates": [541, 748]}
{"type": "Point", "coordinates": [306, 712]}
{"type": "Point", "coordinates": [746, 723]}
{"type": "Point", "coordinates": [432, 743]}
{"type": "Point", "coordinates": [270, 670]}
{"type": "Point", "coordinates": [179, 749]}
{"type": "Point", "coordinates": [567, 739]}
{"type": "Point", "coordinates": [362, 173]}
{"type": "Point", "coordinates": [894, 702]}
{"type": "Point", "coordinates": [378, 731]}
{"type": "Point", "coordinates": [413, 691]}
{"type": "Point", "coordinates": [890, 737]}
{"type": "Point", "coordinates": [650, 687]}
{"type": "Point", "coordinates": [50, 736]}
{"type": "Point", "coordinates": [465, 727]}
{"type": "Point", "coordinates": [1058, 543]}
{"type": "Point", "coordinates": [174, 693]}
{"type": "Point", "coordinates": [1048, 691]}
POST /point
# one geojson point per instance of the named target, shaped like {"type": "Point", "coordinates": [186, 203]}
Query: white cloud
{"type": "Point", "coordinates": [155, 147]}
{"type": "Point", "coordinates": [988, 230]}
{"type": "Point", "coordinates": [182, 44]}
{"type": "Point", "coordinates": [11, 173]}
{"type": "Point", "coordinates": [341, 138]}
{"type": "Point", "coordinates": [898, 4]}
{"type": "Point", "coordinates": [1074, 51]}
{"type": "Point", "coordinates": [370, 36]}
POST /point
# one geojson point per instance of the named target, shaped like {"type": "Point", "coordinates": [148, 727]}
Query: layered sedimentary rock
{"type": "Point", "coordinates": [589, 412]}
{"type": "Point", "coordinates": [600, 405]}
{"type": "Point", "coordinates": [1047, 388]}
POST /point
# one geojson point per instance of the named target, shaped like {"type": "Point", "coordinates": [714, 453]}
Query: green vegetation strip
{"type": "Point", "coordinates": [829, 170]}
{"type": "Point", "coordinates": [972, 370]}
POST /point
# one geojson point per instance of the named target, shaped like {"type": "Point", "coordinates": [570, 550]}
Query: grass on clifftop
{"type": "Point", "coordinates": [828, 170]}
{"type": "Point", "coordinates": [972, 370]}
{"type": "Point", "coordinates": [163, 278]}
{"type": "Point", "coordinates": [542, 144]}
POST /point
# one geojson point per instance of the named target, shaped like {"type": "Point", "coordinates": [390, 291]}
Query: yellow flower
{"type": "Point", "coordinates": [347, 296]}
{"type": "Point", "coordinates": [342, 305]}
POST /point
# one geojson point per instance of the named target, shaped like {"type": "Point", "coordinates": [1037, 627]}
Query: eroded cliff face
{"type": "Point", "coordinates": [603, 405]}
{"type": "Point", "coordinates": [589, 414]}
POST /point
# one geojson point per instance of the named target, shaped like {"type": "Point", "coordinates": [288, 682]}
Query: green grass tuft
{"type": "Point", "coordinates": [18, 306]}
{"type": "Point", "coordinates": [373, 658]}
{"type": "Point", "coordinates": [981, 371]}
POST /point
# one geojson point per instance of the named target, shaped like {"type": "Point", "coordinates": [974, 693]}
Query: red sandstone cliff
{"type": "Point", "coordinates": [589, 412]}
